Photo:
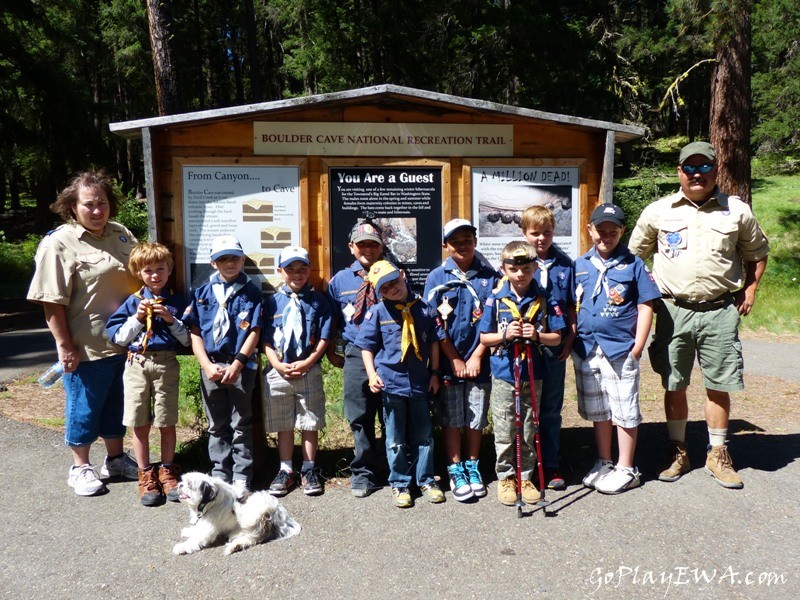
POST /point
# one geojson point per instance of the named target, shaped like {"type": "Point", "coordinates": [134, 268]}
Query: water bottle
{"type": "Point", "coordinates": [50, 377]}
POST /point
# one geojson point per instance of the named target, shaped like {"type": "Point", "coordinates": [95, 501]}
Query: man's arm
{"type": "Point", "coordinates": [746, 297]}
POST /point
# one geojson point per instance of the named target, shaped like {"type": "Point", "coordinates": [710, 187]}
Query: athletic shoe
{"type": "Point", "coordinates": [475, 479]}
{"type": "Point", "coordinates": [283, 483]}
{"type": "Point", "coordinates": [313, 484]}
{"type": "Point", "coordinates": [720, 466]}
{"type": "Point", "coordinates": [402, 499]}
{"type": "Point", "coordinates": [168, 479]}
{"type": "Point", "coordinates": [120, 466]}
{"type": "Point", "coordinates": [600, 468]}
{"type": "Point", "coordinates": [433, 493]}
{"type": "Point", "coordinates": [240, 487]}
{"type": "Point", "coordinates": [362, 492]}
{"type": "Point", "coordinates": [507, 491]}
{"type": "Point", "coordinates": [459, 484]}
{"type": "Point", "coordinates": [677, 462]}
{"type": "Point", "coordinates": [530, 495]}
{"type": "Point", "coordinates": [619, 480]}
{"type": "Point", "coordinates": [83, 480]}
{"type": "Point", "coordinates": [150, 493]}
{"type": "Point", "coordinates": [554, 479]}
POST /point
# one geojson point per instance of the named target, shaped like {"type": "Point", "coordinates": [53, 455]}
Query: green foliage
{"type": "Point", "coordinates": [133, 214]}
{"type": "Point", "coordinates": [16, 262]}
{"type": "Point", "coordinates": [190, 399]}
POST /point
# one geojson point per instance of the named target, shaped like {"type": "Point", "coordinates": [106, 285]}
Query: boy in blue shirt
{"type": "Point", "coordinates": [556, 276]}
{"type": "Point", "coordinates": [519, 312]}
{"type": "Point", "coordinates": [455, 293]}
{"type": "Point", "coordinates": [398, 343]}
{"type": "Point", "coordinates": [224, 318]}
{"type": "Point", "coordinates": [148, 324]}
{"type": "Point", "coordinates": [297, 327]}
{"type": "Point", "coordinates": [614, 292]}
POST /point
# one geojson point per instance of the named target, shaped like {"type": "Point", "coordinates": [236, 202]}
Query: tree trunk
{"type": "Point", "coordinates": [158, 16]}
{"type": "Point", "coordinates": [253, 54]}
{"type": "Point", "coordinates": [730, 102]}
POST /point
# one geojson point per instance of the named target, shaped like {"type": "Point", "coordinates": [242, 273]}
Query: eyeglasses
{"type": "Point", "coordinates": [691, 169]}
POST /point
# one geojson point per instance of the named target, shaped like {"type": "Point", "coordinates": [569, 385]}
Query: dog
{"type": "Point", "coordinates": [217, 512]}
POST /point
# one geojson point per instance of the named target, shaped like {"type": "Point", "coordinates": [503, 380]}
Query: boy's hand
{"type": "Point", "coordinates": [214, 372]}
{"type": "Point", "coordinates": [473, 368]}
{"type": "Point", "coordinates": [376, 383]}
{"type": "Point", "coordinates": [568, 342]}
{"type": "Point", "coordinates": [337, 360]}
{"type": "Point", "coordinates": [513, 330]}
{"type": "Point", "coordinates": [433, 385]}
{"type": "Point", "coordinates": [159, 310]}
{"type": "Point", "coordinates": [458, 367]}
{"type": "Point", "coordinates": [141, 311]}
{"type": "Point", "coordinates": [231, 373]}
{"type": "Point", "coordinates": [529, 331]}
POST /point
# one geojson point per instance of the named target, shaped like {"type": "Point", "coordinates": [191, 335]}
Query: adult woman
{"type": "Point", "coordinates": [81, 279]}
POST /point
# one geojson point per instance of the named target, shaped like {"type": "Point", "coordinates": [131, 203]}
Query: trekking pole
{"type": "Point", "coordinates": [518, 422]}
{"type": "Point", "coordinates": [536, 436]}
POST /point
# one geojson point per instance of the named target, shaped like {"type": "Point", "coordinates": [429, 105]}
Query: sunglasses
{"type": "Point", "coordinates": [691, 169]}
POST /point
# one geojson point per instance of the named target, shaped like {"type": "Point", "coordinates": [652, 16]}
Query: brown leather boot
{"type": "Point", "coordinates": [168, 478]}
{"type": "Point", "coordinates": [677, 462]}
{"type": "Point", "coordinates": [720, 467]}
{"type": "Point", "coordinates": [149, 489]}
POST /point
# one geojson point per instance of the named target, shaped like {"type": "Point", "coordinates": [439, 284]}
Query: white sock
{"type": "Point", "coordinates": [286, 465]}
{"type": "Point", "coordinates": [716, 437]}
{"type": "Point", "coordinates": [307, 465]}
{"type": "Point", "coordinates": [677, 430]}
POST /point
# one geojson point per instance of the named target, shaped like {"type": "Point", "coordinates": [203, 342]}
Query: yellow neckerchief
{"type": "Point", "coordinates": [149, 319]}
{"type": "Point", "coordinates": [529, 316]}
{"type": "Point", "coordinates": [409, 336]}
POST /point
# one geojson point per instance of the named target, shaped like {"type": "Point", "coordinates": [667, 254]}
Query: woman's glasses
{"type": "Point", "coordinates": [691, 169]}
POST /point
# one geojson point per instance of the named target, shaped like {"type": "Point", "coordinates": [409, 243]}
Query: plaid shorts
{"type": "Point", "coordinates": [463, 404]}
{"type": "Point", "coordinates": [608, 389]}
{"type": "Point", "coordinates": [291, 404]}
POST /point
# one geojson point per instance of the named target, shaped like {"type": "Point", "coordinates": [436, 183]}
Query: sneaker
{"type": "Point", "coordinates": [554, 479]}
{"type": "Point", "coordinates": [121, 466]}
{"type": "Point", "coordinates": [530, 495]}
{"type": "Point", "coordinates": [617, 481]}
{"type": "Point", "coordinates": [677, 463]}
{"type": "Point", "coordinates": [459, 484]}
{"type": "Point", "coordinates": [283, 483]}
{"type": "Point", "coordinates": [84, 480]}
{"type": "Point", "coordinates": [507, 491]}
{"type": "Point", "coordinates": [313, 484]}
{"type": "Point", "coordinates": [433, 493]}
{"type": "Point", "coordinates": [240, 487]}
{"type": "Point", "coordinates": [475, 479]}
{"type": "Point", "coordinates": [720, 466]}
{"type": "Point", "coordinates": [600, 468]}
{"type": "Point", "coordinates": [168, 478]}
{"type": "Point", "coordinates": [402, 499]}
{"type": "Point", "coordinates": [362, 492]}
{"type": "Point", "coordinates": [150, 493]}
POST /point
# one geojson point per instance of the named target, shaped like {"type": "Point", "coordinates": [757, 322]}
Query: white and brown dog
{"type": "Point", "coordinates": [217, 512]}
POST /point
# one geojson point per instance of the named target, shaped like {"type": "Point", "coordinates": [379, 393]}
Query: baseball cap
{"type": "Point", "coordinates": [225, 245]}
{"type": "Point", "coordinates": [608, 213]}
{"type": "Point", "coordinates": [452, 226]}
{"type": "Point", "coordinates": [381, 273]}
{"type": "Point", "coordinates": [701, 148]}
{"type": "Point", "coordinates": [292, 253]}
{"type": "Point", "coordinates": [365, 231]}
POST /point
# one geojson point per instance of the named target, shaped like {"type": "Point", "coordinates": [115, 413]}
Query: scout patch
{"type": "Point", "coordinates": [348, 311]}
{"type": "Point", "coordinates": [445, 309]}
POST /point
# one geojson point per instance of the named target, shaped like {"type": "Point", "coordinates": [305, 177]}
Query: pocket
{"type": "Point", "coordinates": [723, 236]}
{"type": "Point", "coordinates": [672, 236]}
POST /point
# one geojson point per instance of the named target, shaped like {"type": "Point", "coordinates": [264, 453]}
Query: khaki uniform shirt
{"type": "Point", "coordinates": [698, 251]}
{"type": "Point", "coordinates": [88, 275]}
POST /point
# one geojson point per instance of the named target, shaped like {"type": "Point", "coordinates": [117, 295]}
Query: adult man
{"type": "Point", "coordinates": [709, 255]}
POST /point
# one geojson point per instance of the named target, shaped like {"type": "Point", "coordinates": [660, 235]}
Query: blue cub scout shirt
{"type": "Point", "coordinates": [161, 339]}
{"type": "Point", "coordinates": [317, 319]}
{"type": "Point", "coordinates": [342, 291]}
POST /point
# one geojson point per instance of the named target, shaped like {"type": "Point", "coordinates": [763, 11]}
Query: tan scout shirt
{"type": "Point", "coordinates": [88, 275]}
{"type": "Point", "coordinates": [698, 250]}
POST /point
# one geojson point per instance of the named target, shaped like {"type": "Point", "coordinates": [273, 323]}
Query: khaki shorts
{"type": "Point", "coordinates": [711, 336]}
{"type": "Point", "coordinates": [291, 404]}
{"type": "Point", "coordinates": [151, 376]}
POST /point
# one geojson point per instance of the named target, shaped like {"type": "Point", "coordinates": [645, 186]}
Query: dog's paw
{"type": "Point", "coordinates": [230, 548]}
{"type": "Point", "coordinates": [179, 548]}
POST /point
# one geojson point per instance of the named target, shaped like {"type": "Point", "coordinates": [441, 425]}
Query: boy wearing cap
{"type": "Point", "coordinates": [297, 327]}
{"type": "Point", "coordinates": [352, 295]}
{"type": "Point", "coordinates": [455, 294]}
{"type": "Point", "coordinates": [614, 292]}
{"type": "Point", "coordinates": [224, 318]}
{"type": "Point", "coordinates": [399, 346]}
{"type": "Point", "coordinates": [518, 313]}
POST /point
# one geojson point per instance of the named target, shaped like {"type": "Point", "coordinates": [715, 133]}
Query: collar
{"type": "Point", "coordinates": [285, 289]}
{"type": "Point", "coordinates": [215, 278]}
{"type": "Point", "coordinates": [534, 291]}
{"type": "Point", "coordinates": [716, 195]}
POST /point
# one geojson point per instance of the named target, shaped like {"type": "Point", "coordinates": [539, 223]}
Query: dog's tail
{"type": "Point", "coordinates": [261, 518]}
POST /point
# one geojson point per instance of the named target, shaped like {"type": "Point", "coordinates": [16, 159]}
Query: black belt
{"type": "Point", "coordinates": [715, 304]}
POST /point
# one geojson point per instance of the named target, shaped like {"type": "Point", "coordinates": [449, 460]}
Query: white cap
{"type": "Point", "coordinates": [225, 245]}
{"type": "Point", "coordinates": [452, 226]}
{"type": "Point", "coordinates": [292, 253]}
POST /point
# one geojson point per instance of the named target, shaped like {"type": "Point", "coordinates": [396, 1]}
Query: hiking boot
{"type": "Point", "coordinates": [600, 468]}
{"type": "Point", "coordinates": [120, 466]}
{"type": "Point", "coordinates": [402, 499]}
{"type": "Point", "coordinates": [617, 481]}
{"type": "Point", "coordinates": [720, 466]}
{"type": "Point", "coordinates": [507, 491]}
{"type": "Point", "coordinates": [530, 495]}
{"type": "Point", "coordinates": [283, 483]}
{"type": "Point", "coordinates": [475, 479]}
{"type": "Point", "coordinates": [433, 493]}
{"type": "Point", "coordinates": [677, 462]}
{"type": "Point", "coordinates": [313, 484]}
{"type": "Point", "coordinates": [554, 479]}
{"type": "Point", "coordinates": [459, 484]}
{"type": "Point", "coordinates": [83, 480]}
{"type": "Point", "coordinates": [168, 478]}
{"type": "Point", "coordinates": [150, 493]}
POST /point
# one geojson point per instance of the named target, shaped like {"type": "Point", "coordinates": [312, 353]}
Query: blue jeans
{"type": "Point", "coordinates": [551, 401]}
{"type": "Point", "coordinates": [94, 401]}
{"type": "Point", "coordinates": [409, 444]}
{"type": "Point", "coordinates": [361, 408]}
